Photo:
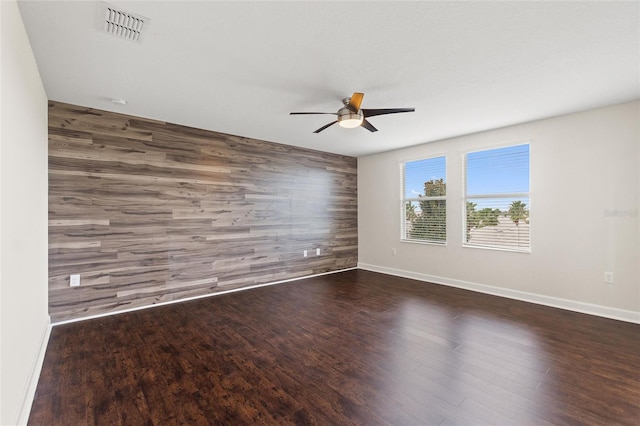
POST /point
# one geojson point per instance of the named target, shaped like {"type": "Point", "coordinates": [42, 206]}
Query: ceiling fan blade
{"type": "Point", "coordinates": [374, 112]}
{"type": "Point", "coordinates": [355, 101]}
{"type": "Point", "coordinates": [306, 113]}
{"type": "Point", "coordinates": [325, 126]}
{"type": "Point", "coordinates": [368, 126]}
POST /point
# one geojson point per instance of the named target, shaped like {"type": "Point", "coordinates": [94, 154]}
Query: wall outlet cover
{"type": "Point", "coordinates": [74, 280]}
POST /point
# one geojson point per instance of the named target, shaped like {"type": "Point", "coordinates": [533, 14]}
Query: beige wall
{"type": "Point", "coordinates": [23, 218]}
{"type": "Point", "coordinates": [584, 215]}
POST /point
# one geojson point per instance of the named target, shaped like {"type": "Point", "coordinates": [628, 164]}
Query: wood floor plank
{"type": "Point", "coordinates": [350, 348]}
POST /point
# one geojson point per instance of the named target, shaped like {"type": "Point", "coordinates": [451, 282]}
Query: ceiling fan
{"type": "Point", "coordinates": [351, 115]}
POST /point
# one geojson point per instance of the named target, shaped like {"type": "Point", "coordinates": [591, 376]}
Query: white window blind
{"type": "Point", "coordinates": [497, 198]}
{"type": "Point", "coordinates": [424, 200]}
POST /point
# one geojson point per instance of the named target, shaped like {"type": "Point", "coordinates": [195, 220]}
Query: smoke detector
{"type": "Point", "coordinates": [123, 24]}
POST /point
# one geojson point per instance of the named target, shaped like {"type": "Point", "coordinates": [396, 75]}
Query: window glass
{"type": "Point", "coordinates": [497, 201]}
{"type": "Point", "coordinates": [424, 203]}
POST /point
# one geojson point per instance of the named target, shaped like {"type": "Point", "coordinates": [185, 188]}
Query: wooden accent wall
{"type": "Point", "coordinates": [148, 212]}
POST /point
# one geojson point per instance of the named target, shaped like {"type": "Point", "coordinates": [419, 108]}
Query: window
{"type": "Point", "coordinates": [497, 198]}
{"type": "Point", "coordinates": [424, 203]}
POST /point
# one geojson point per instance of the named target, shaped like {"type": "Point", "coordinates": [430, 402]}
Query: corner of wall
{"type": "Point", "coordinates": [31, 384]}
{"type": "Point", "coordinates": [25, 323]}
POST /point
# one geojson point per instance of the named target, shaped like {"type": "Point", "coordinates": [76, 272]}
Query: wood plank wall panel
{"type": "Point", "coordinates": [149, 212]}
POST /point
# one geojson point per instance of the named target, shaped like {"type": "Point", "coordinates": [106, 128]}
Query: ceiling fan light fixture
{"type": "Point", "coordinates": [351, 115]}
{"type": "Point", "coordinates": [349, 119]}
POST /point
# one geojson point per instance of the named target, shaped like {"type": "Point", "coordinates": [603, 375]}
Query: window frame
{"type": "Point", "coordinates": [512, 195]}
{"type": "Point", "coordinates": [404, 200]}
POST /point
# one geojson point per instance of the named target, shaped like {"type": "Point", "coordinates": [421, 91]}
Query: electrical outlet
{"type": "Point", "coordinates": [74, 280]}
{"type": "Point", "coordinates": [608, 277]}
{"type": "Point", "coordinates": [317, 252]}
{"type": "Point", "coordinates": [304, 253]}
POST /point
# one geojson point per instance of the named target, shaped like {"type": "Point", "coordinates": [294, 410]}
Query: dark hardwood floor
{"type": "Point", "coordinates": [350, 348]}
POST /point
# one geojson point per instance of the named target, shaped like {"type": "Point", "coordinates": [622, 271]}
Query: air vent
{"type": "Point", "coordinates": [123, 24]}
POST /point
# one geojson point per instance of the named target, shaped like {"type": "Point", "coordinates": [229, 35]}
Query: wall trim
{"type": "Point", "coordinates": [539, 299]}
{"type": "Point", "coordinates": [202, 296]}
{"type": "Point", "coordinates": [29, 391]}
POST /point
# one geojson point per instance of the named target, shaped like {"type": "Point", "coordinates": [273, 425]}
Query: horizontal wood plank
{"type": "Point", "coordinates": [147, 211]}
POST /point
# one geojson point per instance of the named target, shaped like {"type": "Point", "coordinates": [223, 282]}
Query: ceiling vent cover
{"type": "Point", "coordinates": [123, 24]}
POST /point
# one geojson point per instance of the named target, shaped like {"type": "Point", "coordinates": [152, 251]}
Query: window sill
{"type": "Point", "coordinates": [427, 243]}
{"type": "Point", "coordinates": [509, 249]}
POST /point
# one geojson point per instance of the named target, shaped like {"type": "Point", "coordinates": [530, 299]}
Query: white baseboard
{"type": "Point", "coordinates": [186, 299]}
{"type": "Point", "coordinates": [539, 299]}
{"type": "Point", "coordinates": [29, 391]}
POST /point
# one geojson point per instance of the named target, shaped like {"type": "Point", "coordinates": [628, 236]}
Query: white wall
{"type": "Point", "coordinates": [23, 219]}
{"type": "Point", "coordinates": [585, 188]}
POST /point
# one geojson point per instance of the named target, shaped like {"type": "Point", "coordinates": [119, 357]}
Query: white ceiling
{"type": "Point", "coordinates": [241, 67]}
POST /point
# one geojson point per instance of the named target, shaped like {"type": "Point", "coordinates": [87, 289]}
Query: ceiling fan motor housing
{"type": "Point", "coordinates": [349, 119]}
